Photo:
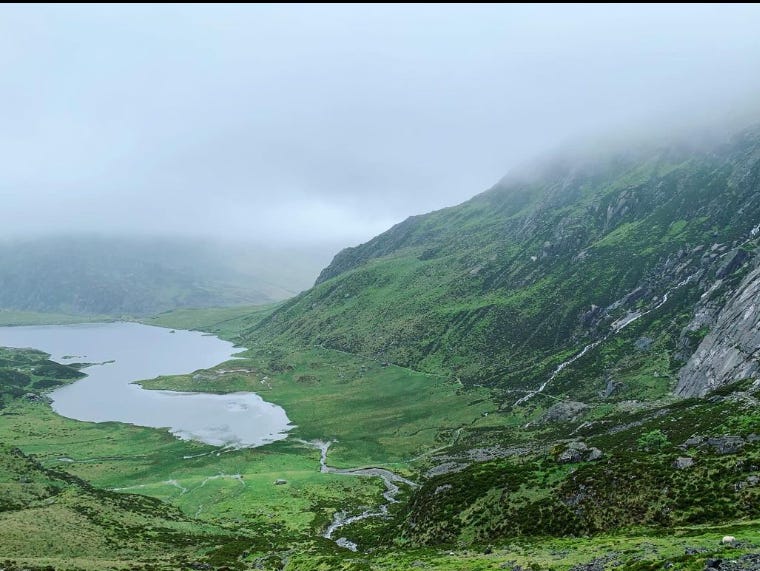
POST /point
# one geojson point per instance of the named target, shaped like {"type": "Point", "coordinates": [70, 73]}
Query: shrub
{"type": "Point", "coordinates": [652, 441]}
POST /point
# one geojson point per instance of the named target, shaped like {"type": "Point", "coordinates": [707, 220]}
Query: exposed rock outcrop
{"type": "Point", "coordinates": [566, 411]}
{"type": "Point", "coordinates": [579, 452]}
{"type": "Point", "coordinates": [749, 562]}
{"type": "Point", "coordinates": [734, 260]}
{"type": "Point", "coordinates": [727, 444]}
{"type": "Point", "coordinates": [447, 468]}
{"type": "Point", "coordinates": [611, 388]}
{"type": "Point", "coordinates": [730, 351]}
{"type": "Point", "coordinates": [683, 462]}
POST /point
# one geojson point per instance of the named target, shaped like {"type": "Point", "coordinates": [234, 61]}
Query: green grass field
{"type": "Point", "coordinates": [378, 415]}
{"type": "Point", "coordinates": [228, 509]}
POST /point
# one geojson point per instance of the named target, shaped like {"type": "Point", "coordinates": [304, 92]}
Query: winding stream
{"type": "Point", "coordinates": [616, 327]}
{"type": "Point", "coordinates": [342, 518]}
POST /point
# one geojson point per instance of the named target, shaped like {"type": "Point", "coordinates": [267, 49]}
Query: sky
{"type": "Point", "coordinates": [305, 124]}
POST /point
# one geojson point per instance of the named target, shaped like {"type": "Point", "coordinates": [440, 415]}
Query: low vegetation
{"type": "Point", "coordinates": [515, 359]}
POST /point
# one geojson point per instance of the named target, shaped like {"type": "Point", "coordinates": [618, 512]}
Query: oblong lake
{"type": "Point", "coordinates": [142, 352]}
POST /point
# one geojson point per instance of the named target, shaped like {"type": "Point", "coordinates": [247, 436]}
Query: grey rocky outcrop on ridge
{"type": "Point", "coordinates": [730, 351]}
{"type": "Point", "coordinates": [579, 452]}
{"type": "Point", "coordinates": [726, 444]}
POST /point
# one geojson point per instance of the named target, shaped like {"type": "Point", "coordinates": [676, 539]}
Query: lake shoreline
{"type": "Point", "coordinates": [124, 353]}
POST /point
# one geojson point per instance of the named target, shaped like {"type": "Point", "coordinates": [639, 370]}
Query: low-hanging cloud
{"type": "Point", "coordinates": [296, 124]}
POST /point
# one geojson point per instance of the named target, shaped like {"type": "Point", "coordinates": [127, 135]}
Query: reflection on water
{"type": "Point", "coordinates": [131, 352]}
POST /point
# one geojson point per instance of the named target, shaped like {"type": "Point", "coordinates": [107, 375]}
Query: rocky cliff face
{"type": "Point", "coordinates": [731, 350]}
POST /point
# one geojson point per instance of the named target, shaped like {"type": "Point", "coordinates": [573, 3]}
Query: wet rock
{"type": "Point", "coordinates": [734, 261]}
{"type": "Point", "coordinates": [683, 462]}
{"type": "Point", "coordinates": [630, 298]}
{"type": "Point", "coordinates": [579, 452]}
{"type": "Point", "coordinates": [594, 454]}
{"type": "Point", "coordinates": [565, 411]}
{"type": "Point", "coordinates": [570, 456]}
{"type": "Point", "coordinates": [346, 543]}
{"type": "Point", "coordinates": [705, 315]}
{"type": "Point", "coordinates": [592, 316]}
{"type": "Point", "coordinates": [725, 444]}
{"type": "Point", "coordinates": [629, 317]}
{"type": "Point", "coordinates": [446, 468]}
{"type": "Point", "coordinates": [611, 388]}
{"type": "Point", "coordinates": [749, 562]}
{"type": "Point", "coordinates": [728, 352]}
{"type": "Point", "coordinates": [598, 564]}
{"type": "Point", "coordinates": [693, 441]}
{"type": "Point", "coordinates": [578, 445]}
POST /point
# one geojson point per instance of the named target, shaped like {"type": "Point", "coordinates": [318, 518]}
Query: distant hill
{"type": "Point", "coordinates": [88, 275]}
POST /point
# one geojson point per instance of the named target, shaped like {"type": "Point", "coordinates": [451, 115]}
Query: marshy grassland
{"type": "Point", "coordinates": [95, 496]}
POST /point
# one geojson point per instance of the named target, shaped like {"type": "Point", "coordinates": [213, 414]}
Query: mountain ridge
{"type": "Point", "coordinates": [534, 268]}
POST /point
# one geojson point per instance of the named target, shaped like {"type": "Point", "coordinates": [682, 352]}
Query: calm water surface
{"type": "Point", "coordinates": [143, 352]}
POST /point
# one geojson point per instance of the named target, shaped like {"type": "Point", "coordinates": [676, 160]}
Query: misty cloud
{"type": "Point", "coordinates": [329, 123]}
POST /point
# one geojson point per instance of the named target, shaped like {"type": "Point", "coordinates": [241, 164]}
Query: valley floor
{"type": "Point", "coordinates": [81, 496]}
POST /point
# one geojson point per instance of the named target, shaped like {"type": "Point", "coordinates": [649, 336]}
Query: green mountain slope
{"type": "Point", "coordinates": [503, 288]}
{"type": "Point", "coordinates": [587, 295]}
{"type": "Point", "coordinates": [667, 468]}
